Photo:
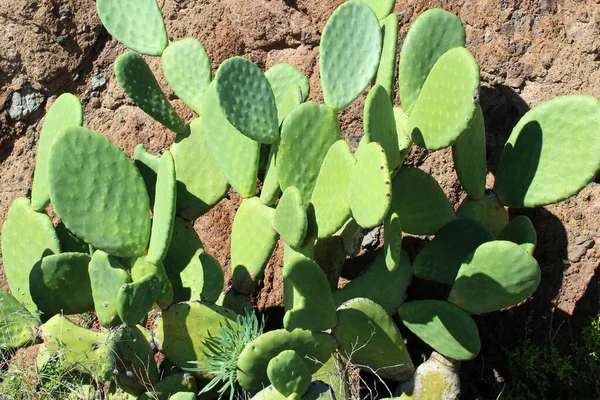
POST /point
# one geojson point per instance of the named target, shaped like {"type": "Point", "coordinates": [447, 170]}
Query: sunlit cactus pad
{"type": "Point", "coordinates": [469, 158]}
{"type": "Point", "coordinates": [164, 209]}
{"type": "Point", "coordinates": [18, 327]}
{"type": "Point", "coordinates": [98, 193]}
{"type": "Point", "coordinates": [107, 276]}
{"type": "Point", "coordinates": [282, 75]}
{"type": "Point", "coordinates": [487, 210]}
{"type": "Point", "coordinates": [290, 217]}
{"type": "Point", "coordinates": [380, 124]}
{"type": "Point", "coordinates": [387, 64]}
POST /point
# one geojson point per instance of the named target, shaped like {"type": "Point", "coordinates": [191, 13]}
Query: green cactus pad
{"type": "Point", "coordinates": [468, 154]}
{"type": "Point", "coordinates": [380, 125]}
{"type": "Point", "coordinates": [444, 326]}
{"type": "Point", "coordinates": [138, 24]}
{"type": "Point", "coordinates": [107, 276]}
{"type": "Point", "coordinates": [551, 154]}
{"type": "Point", "coordinates": [366, 332]}
{"type": "Point", "coordinates": [440, 259]}
{"type": "Point", "coordinates": [382, 8]}
{"type": "Point", "coordinates": [431, 35]}
{"type": "Point", "coordinates": [147, 165]}
{"type": "Point", "coordinates": [142, 267]}
{"type": "Point", "coordinates": [65, 111]}
{"type": "Point", "coordinates": [421, 204]}
{"type": "Point", "coordinates": [187, 70]}
{"type": "Point", "coordinates": [135, 364]}
{"type": "Point", "coordinates": [282, 75]}
{"type": "Point", "coordinates": [404, 142]}
{"type": "Point", "coordinates": [313, 307]}
{"type": "Point", "coordinates": [392, 246]}
{"type": "Point", "coordinates": [171, 385]}
{"type": "Point", "coordinates": [290, 217]}
{"type": "Point", "coordinates": [135, 299]}
{"type": "Point", "coordinates": [18, 327]}
{"type": "Point", "coordinates": [81, 349]}
{"type": "Point", "coordinates": [200, 182]}
{"type": "Point", "coordinates": [183, 396]}
{"type": "Point", "coordinates": [246, 99]}
{"type": "Point", "coordinates": [287, 99]}
{"type": "Point", "coordinates": [60, 284]}
{"type": "Point", "coordinates": [497, 275]}
{"type": "Point", "coordinates": [313, 347]}
{"type": "Point", "coordinates": [330, 195]}
{"type": "Point", "coordinates": [350, 52]}
{"type": "Point", "coordinates": [306, 136]}
{"type": "Point", "coordinates": [370, 191]}
{"type": "Point", "coordinates": [487, 210]}
{"type": "Point", "coordinates": [174, 327]}
{"type": "Point", "coordinates": [236, 302]}
{"type": "Point", "coordinates": [27, 236]}
{"type": "Point", "coordinates": [252, 242]}
{"type": "Point", "coordinates": [387, 64]}
{"type": "Point", "coordinates": [69, 242]}
{"type": "Point", "coordinates": [236, 155]}
{"type": "Point", "coordinates": [270, 189]}
{"type": "Point", "coordinates": [447, 101]}
{"type": "Point", "coordinates": [164, 209]}
{"type": "Point", "coordinates": [138, 81]}
{"type": "Point", "coordinates": [288, 373]}
{"type": "Point", "coordinates": [520, 231]}
{"type": "Point", "coordinates": [105, 203]}
{"type": "Point", "coordinates": [382, 283]}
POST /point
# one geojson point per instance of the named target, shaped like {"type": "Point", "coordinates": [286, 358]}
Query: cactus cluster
{"type": "Point", "coordinates": [125, 242]}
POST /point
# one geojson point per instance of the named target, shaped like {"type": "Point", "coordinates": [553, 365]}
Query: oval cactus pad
{"type": "Point", "coordinates": [290, 219]}
{"type": "Point", "coordinates": [387, 65]}
{"type": "Point", "coordinates": [447, 101]}
{"type": "Point", "coordinates": [444, 326]}
{"type": "Point", "coordinates": [98, 192]}
{"type": "Point", "coordinates": [282, 75]}
{"type": "Point", "coordinates": [18, 327]}
{"type": "Point", "coordinates": [164, 209]}
{"type": "Point", "coordinates": [382, 8]}
{"type": "Point", "coordinates": [288, 373]}
{"type": "Point", "coordinates": [187, 71]}
{"type": "Point", "coordinates": [380, 124]}
{"type": "Point", "coordinates": [432, 34]}
{"type": "Point", "coordinates": [350, 52]}
{"type": "Point", "coordinates": [520, 231]}
{"type": "Point", "coordinates": [246, 99]}
{"type": "Point", "coordinates": [65, 111]}
{"type": "Point", "coordinates": [107, 276]}
{"type": "Point", "coordinates": [497, 275]}
{"type": "Point", "coordinates": [552, 153]}
{"type": "Point", "coordinates": [487, 210]}
{"type": "Point", "coordinates": [138, 24]}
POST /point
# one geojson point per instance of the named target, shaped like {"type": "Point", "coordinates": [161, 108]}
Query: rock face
{"type": "Point", "coordinates": [529, 51]}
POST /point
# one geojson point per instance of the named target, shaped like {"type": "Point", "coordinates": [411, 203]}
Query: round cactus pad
{"type": "Point", "coordinates": [290, 217]}
{"type": "Point", "coordinates": [497, 275]}
{"type": "Point", "coordinates": [370, 191]}
{"type": "Point", "coordinates": [487, 210]}
{"type": "Point", "coordinates": [350, 52]}
{"type": "Point", "coordinates": [18, 327]}
{"type": "Point", "coordinates": [306, 136]}
{"type": "Point", "coordinates": [282, 75]}
{"type": "Point", "coordinates": [98, 193]}
{"type": "Point", "coordinates": [60, 284]}
{"type": "Point", "coordinates": [387, 64]}
{"type": "Point", "coordinates": [246, 99]}
{"type": "Point", "coordinates": [313, 347]}
{"type": "Point", "coordinates": [444, 326]}
{"type": "Point", "coordinates": [27, 237]}
{"type": "Point", "coordinates": [236, 155]}
{"type": "Point", "coordinates": [139, 83]}
{"type": "Point", "coordinates": [468, 154]}
{"type": "Point", "coordinates": [270, 190]}
{"type": "Point", "coordinates": [421, 204]}
{"type": "Point", "coordinates": [440, 259]}
{"type": "Point", "coordinates": [252, 242]}
{"type": "Point", "coordinates": [330, 195]}
{"type": "Point", "coordinates": [187, 70]}
{"type": "Point", "coordinates": [288, 373]}
{"type": "Point", "coordinates": [382, 8]}
{"type": "Point", "coordinates": [164, 209]}
{"type": "Point", "coordinates": [367, 332]}
{"type": "Point", "coordinates": [432, 34]}
{"type": "Point", "coordinates": [65, 111]}
{"type": "Point", "coordinates": [183, 396]}
{"type": "Point", "coordinates": [138, 24]}
{"type": "Point", "coordinates": [552, 153]}
{"type": "Point", "coordinates": [107, 276]}
{"type": "Point", "coordinates": [447, 101]}
{"type": "Point", "coordinates": [135, 299]}
{"type": "Point", "coordinates": [380, 124]}
{"type": "Point", "coordinates": [520, 231]}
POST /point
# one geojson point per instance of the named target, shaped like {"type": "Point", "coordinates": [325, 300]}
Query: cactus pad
{"type": "Point", "coordinates": [468, 154]}
{"type": "Point", "coordinates": [164, 209]}
{"type": "Point", "coordinates": [350, 53]}
{"type": "Point", "coordinates": [380, 125]}
{"type": "Point", "coordinates": [440, 259]}
{"type": "Point", "coordinates": [404, 142]}
{"type": "Point", "coordinates": [65, 111]}
{"type": "Point", "coordinates": [497, 275]}
{"type": "Point", "coordinates": [236, 155]}
{"type": "Point", "coordinates": [370, 191]}
{"type": "Point", "coordinates": [487, 210]}
{"type": "Point", "coordinates": [246, 99]}
{"type": "Point", "coordinates": [288, 373]}
{"type": "Point", "coordinates": [142, 267]}
{"type": "Point", "coordinates": [447, 101]}
{"type": "Point", "coordinates": [18, 327]}
{"type": "Point", "coordinates": [290, 217]}
{"type": "Point", "coordinates": [520, 231]}
{"type": "Point", "coordinates": [135, 299]}
{"type": "Point", "coordinates": [282, 75]}
{"type": "Point", "coordinates": [107, 276]}
{"type": "Point", "coordinates": [98, 193]}
{"type": "Point", "coordinates": [69, 242]}
{"type": "Point", "coordinates": [432, 34]}
{"type": "Point", "coordinates": [270, 190]}
{"type": "Point", "coordinates": [387, 64]}
{"type": "Point", "coordinates": [135, 365]}
{"type": "Point", "coordinates": [444, 326]}
{"type": "Point", "coordinates": [147, 165]}
{"type": "Point", "coordinates": [187, 70]}
{"type": "Point", "coordinates": [27, 236]}
{"type": "Point", "coordinates": [170, 386]}
{"type": "Point", "coordinates": [552, 153]}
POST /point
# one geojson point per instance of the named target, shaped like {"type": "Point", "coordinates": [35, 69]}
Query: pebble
{"type": "Point", "coordinates": [98, 82]}
{"type": "Point", "coordinates": [36, 29]}
{"type": "Point", "coordinates": [61, 39]}
{"type": "Point", "coordinates": [24, 103]}
{"type": "Point", "coordinates": [488, 36]}
{"type": "Point", "coordinates": [85, 28]}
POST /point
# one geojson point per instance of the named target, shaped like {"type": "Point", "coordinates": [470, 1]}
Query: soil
{"type": "Point", "coordinates": [528, 50]}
